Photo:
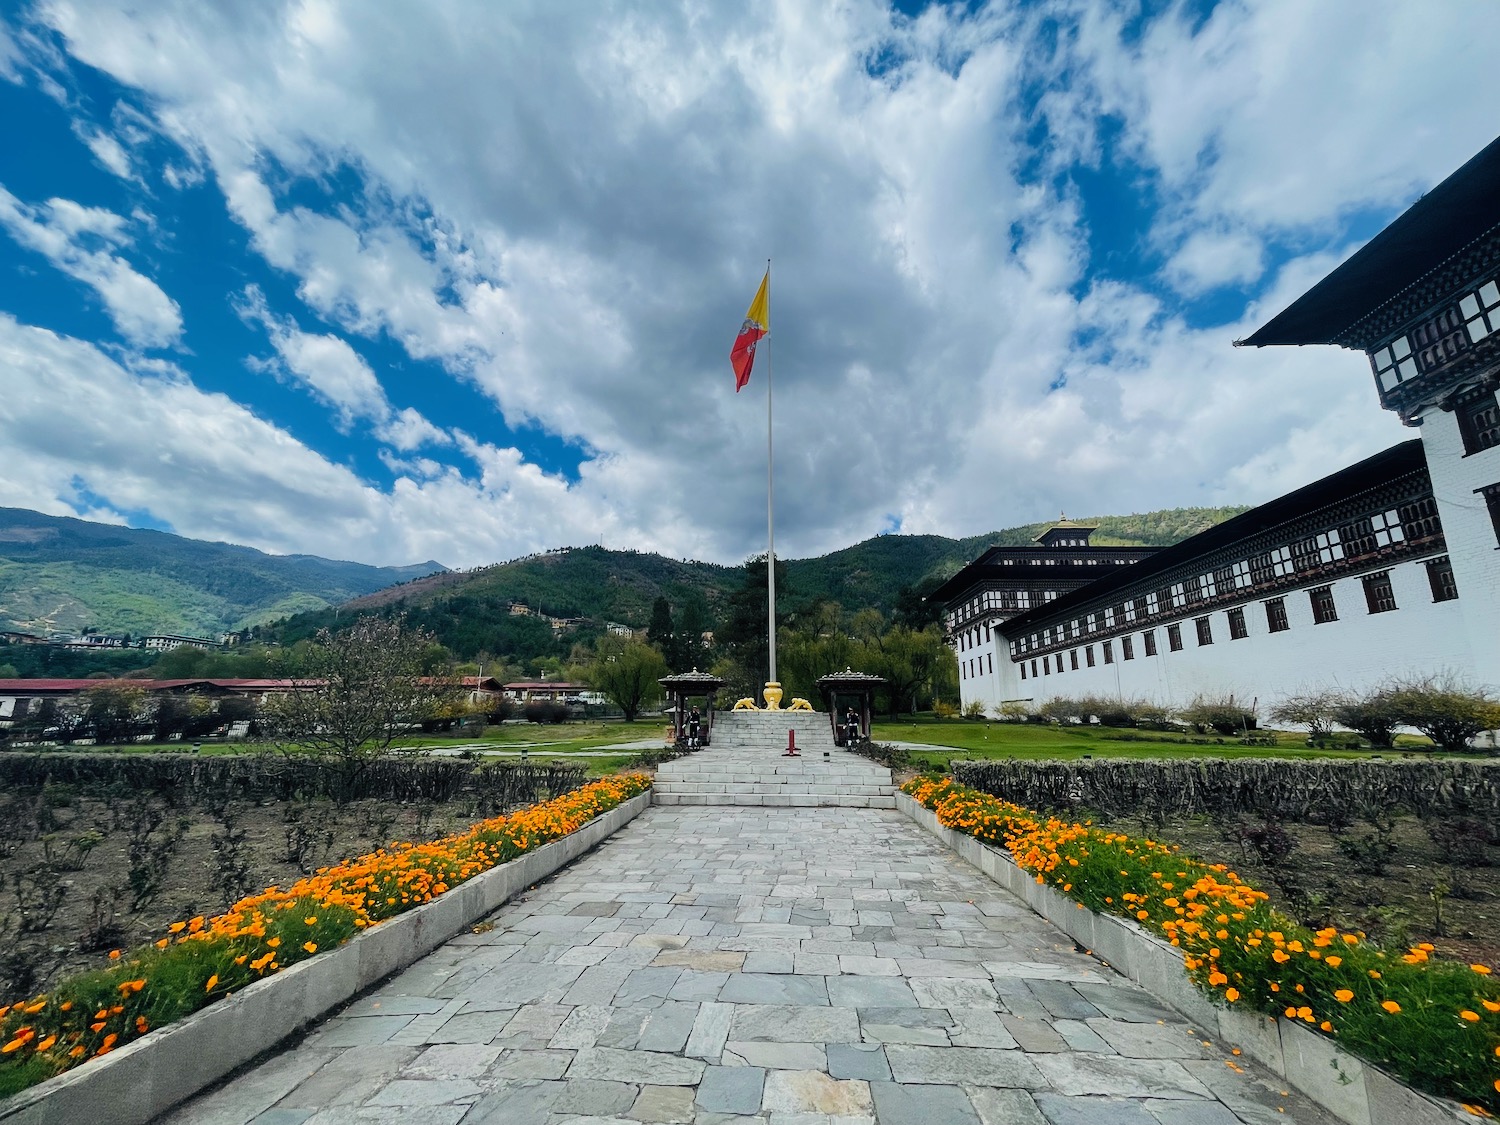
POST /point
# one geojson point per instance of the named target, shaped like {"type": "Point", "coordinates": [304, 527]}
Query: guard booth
{"type": "Point", "coordinates": [846, 689]}
{"type": "Point", "coordinates": [681, 690]}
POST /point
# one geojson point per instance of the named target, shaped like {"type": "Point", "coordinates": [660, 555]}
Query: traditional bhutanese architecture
{"type": "Point", "coordinates": [1007, 581]}
{"type": "Point", "coordinates": [1422, 301]}
{"type": "Point", "coordinates": [1388, 567]}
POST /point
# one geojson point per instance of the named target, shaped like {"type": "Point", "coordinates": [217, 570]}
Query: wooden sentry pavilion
{"type": "Point", "coordinates": [849, 685]}
{"type": "Point", "coordinates": [685, 687]}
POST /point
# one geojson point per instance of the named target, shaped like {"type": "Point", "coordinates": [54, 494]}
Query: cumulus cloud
{"type": "Point", "coordinates": [80, 241]}
{"type": "Point", "coordinates": [570, 214]}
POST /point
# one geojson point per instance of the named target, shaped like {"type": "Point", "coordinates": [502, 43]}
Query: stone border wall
{"type": "Point", "coordinates": [149, 1076]}
{"type": "Point", "coordinates": [1355, 1092]}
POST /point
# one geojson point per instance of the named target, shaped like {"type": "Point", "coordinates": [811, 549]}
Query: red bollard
{"type": "Point", "coordinates": [791, 744]}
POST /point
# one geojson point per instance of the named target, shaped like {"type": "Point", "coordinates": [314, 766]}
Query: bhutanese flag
{"type": "Point", "coordinates": [757, 324]}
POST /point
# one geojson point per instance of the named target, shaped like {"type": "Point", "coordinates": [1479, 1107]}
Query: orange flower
{"type": "Point", "coordinates": [1471, 1017]}
{"type": "Point", "coordinates": [1343, 996]}
{"type": "Point", "coordinates": [1390, 1006]}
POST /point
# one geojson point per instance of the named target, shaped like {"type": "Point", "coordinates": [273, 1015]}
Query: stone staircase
{"type": "Point", "coordinates": [746, 765]}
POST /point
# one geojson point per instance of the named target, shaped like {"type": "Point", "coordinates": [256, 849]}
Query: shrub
{"type": "Point", "coordinates": [1373, 716]}
{"type": "Point", "coordinates": [1311, 709]}
{"type": "Point", "coordinates": [1222, 714]}
{"type": "Point", "coordinates": [545, 711]}
{"type": "Point", "coordinates": [1445, 710]}
{"type": "Point", "coordinates": [974, 710]}
{"type": "Point", "coordinates": [1063, 710]}
{"type": "Point", "coordinates": [1013, 712]}
{"type": "Point", "coordinates": [944, 710]}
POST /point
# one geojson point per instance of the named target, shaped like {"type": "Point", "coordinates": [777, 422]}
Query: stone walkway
{"type": "Point", "coordinates": [829, 966]}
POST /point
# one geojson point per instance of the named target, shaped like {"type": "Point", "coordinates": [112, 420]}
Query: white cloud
{"type": "Point", "coordinates": [338, 376]}
{"type": "Point", "coordinates": [78, 241]}
{"type": "Point", "coordinates": [571, 214]}
{"type": "Point", "coordinates": [107, 151]}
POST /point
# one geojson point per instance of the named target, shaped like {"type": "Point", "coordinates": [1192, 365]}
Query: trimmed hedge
{"type": "Point", "coordinates": [188, 778]}
{"type": "Point", "coordinates": [1290, 790]}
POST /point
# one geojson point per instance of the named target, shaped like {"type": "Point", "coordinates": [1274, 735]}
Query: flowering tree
{"type": "Point", "coordinates": [358, 690]}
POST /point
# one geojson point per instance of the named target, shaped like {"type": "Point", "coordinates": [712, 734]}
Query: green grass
{"type": "Point", "coordinates": [1038, 741]}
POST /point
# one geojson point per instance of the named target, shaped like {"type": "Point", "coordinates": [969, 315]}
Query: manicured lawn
{"type": "Point", "coordinates": [962, 738]}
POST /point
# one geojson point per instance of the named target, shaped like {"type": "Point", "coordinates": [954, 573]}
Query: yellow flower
{"type": "Point", "coordinates": [1471, 1017]}
{"type": "Point", "coordinates": [1343, 996]}
{"type": "Point", "coordinates": [1390, 1006]}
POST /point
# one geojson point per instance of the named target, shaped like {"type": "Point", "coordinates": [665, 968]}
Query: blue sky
{"type": "Point", "coordinates": [458, 281]}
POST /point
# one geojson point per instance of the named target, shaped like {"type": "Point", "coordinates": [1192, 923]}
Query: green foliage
{"type": "Point", "coordinates": [1447, 711]}
{"type": "Point", "coordinates": [1372, 715]}
{"type": "Point", "coordinates": [1223, 714]}
{"type": "Point", "coordinates": [627, 671]}
{"type": "Point", "coordinates": [64, 574]}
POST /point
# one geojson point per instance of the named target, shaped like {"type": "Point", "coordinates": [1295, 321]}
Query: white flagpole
{"type": "Point", "coordinates": [770, 491]}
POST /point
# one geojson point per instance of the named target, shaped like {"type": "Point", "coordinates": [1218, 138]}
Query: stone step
{"type": "Point", "coordinates": [792, 800]}
{"type": "Point", "coordinates": [770, 787]}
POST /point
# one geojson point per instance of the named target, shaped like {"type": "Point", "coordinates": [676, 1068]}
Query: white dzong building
{"type": "Point", "coordinates": [1389, 567]}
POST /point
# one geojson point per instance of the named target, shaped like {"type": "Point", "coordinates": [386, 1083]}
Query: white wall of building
{"type": "Point", "coordinates": [1356, 652]}
{"type": "Point", "coordinates": [1470, 535]}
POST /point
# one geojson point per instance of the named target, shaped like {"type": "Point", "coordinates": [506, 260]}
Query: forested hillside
{"type": "Point", "coordinates": [470, 611]}
{"type": "Point", "coordinates": [60, 574]}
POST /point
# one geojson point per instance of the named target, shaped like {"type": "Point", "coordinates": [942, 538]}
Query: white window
{"type": "Point", "coordinates": [1093, 623]}
{"type": "Point", "coordinates": [1109, 617]}
{"type": "Point", "coordinates": [1207, 586]}
{"type": "Point", "coordinates": [1179, 595]}
{"type": "Point", "coordinates": [1329, 547]}
{"type": "Point", "coordinates": [1153, 605]}
{"type": "Point", "coordinates": [1281, 561]}
{"type": "Point", "coordinates": [1130, 610]}
{"type": "Point", "coordinates": [1394, 364]}
{"type": "Point", "coordinates": [1241, 571]}
{"type": "Point", "coordinates": [1387, 528]}
{"type": "Point", "coordinates": [1481, 311]}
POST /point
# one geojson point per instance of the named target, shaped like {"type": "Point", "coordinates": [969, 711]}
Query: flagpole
{"type": "Point", "coordinates": [770, 494]}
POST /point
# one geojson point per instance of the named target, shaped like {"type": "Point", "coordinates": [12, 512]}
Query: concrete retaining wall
{"type": "Point", "coordinates": [1355, 1092]}
{"type": "Point", "coordinates": [150, 1075]}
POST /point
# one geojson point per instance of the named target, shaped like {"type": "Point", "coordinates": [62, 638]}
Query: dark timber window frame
{"type": "Point", "coordinates": [1148, 638]}
{"type": "Point", "coordinates": [1276, 619]}
{"type": "Point", "coordinates": [1109, 652]}
{"type": "Point", "coordinates": [1073, 658]}
{"type": "Point", "coordinates": [1174, 637]}
{"type": "Point", "coordinates": [1491, 494]}
{"type": "Point", "coordinates": [1324, 610]}
{"type": "Point", "coordinates": [1479, 422]}
{"type": "Point", "coordinates": [1205, 631]}
{"type": "Point", "coordinates": [1127, 648]}
{"type": "Point", "coordinates": [1440, 579]}
{"type": "Point", "coordinates": [1379, 597]}
{"type": "Point", "coordinates": [1238, 630]}
{"type": "Point", "coordinates": [1088, 654]}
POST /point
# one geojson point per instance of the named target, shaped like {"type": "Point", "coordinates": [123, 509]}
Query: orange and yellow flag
{"type": "Point", "coordinates": [757, 324]}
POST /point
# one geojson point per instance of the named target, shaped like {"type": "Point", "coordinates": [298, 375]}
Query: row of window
{"type": "Point", "coordinates": [974, 666]}
{"type": "Point", "coordinates": [1479, 422]}
{"type": "Point", "coordinates": [1379, 598]}
{"type": "Point", "coordinates": [1368, 535]}
{"type": "Point", "coordinates": [1440, 339]}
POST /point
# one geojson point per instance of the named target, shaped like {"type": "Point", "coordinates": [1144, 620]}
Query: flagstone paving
{"type": "Point", "coordinates": [707, 965]}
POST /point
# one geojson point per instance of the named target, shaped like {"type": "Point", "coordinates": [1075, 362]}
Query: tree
{"type": "Point", "coordinates": [115, 713]}
{"type": "Point", "coordinates": [626, 671]}
{"type": "Point", "coordinates": [1312, 709]}
{"type": "Point", "coordinates": [662, 634]}
{"type": "Point", "coordinates": [357, 691]}
{"type": "Point", "coordinates": [745, 632]}
{"type": "Point", "coordinates": [1445, 709]}
{"type": "Point", "coordinates": [1373, 715]}
{"type": "Point", "coordinates": [690, 632]}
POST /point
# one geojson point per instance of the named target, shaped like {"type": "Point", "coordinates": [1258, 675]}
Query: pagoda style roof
{"type": "Point", "coordinates": [1458, 212]}
{"type": "Point", "coordinates": [849, 679]}
{"type": "Point", "coordinates": [1063, 523]}
{"type": "Point", "coordinates": [694, 681]}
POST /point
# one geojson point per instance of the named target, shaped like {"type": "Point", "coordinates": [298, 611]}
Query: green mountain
{"type": "Point", "coordinates": [62, 575]}
{"type": "Point", "coordinates": [470, 611]}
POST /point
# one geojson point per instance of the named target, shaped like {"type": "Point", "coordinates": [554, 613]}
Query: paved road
{"type": "Point", "coordinates": [708, 965]}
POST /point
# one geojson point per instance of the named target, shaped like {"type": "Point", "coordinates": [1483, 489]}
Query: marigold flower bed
{"type": "Point", "coordinates": [205, 959]}
{"type": "Point", "coordinates": [1435, 1024]}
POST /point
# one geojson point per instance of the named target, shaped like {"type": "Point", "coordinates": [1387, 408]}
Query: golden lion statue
{"type": "Point", "coordinates": [746, 704]}
{"type": "Point", "coordinates": [800, 705]}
